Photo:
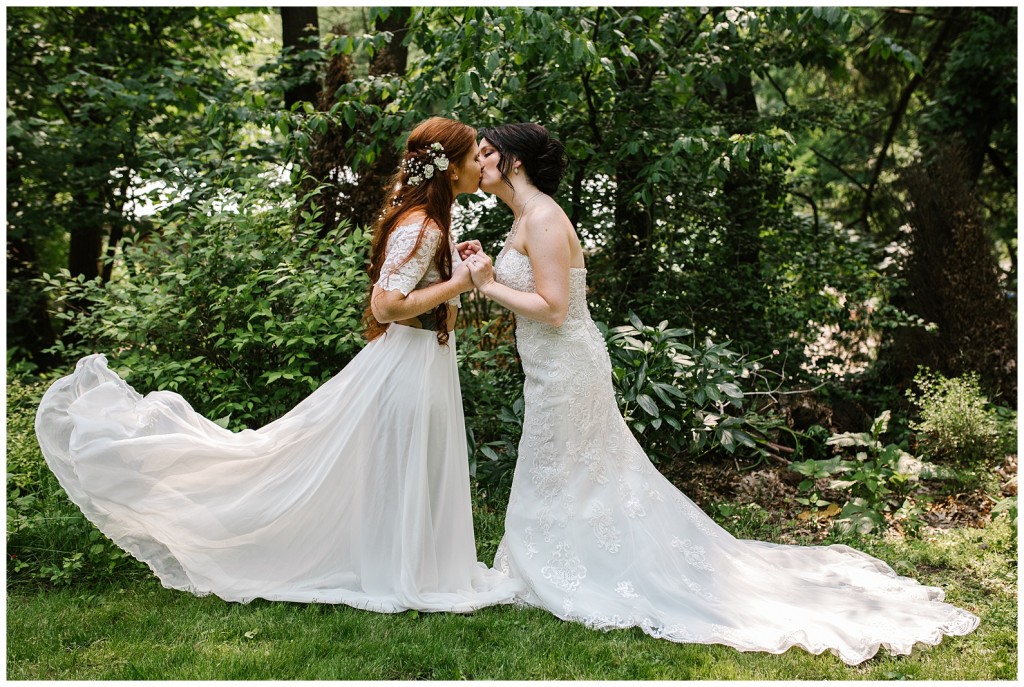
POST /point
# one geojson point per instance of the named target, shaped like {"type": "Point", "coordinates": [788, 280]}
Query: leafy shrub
{"type": "Point", "coordinates": [675, 397]}
{"type": "Point", "coordinates": [239, 311]}
{"type": "Point", "coordinates": [492, 397]}
{"type": "Point", "coordinates": [48, 538]}
{"type": "Point", "coordinates": [495, 471]}
{"type": "Point", "coordinates": [662, 381]}
{"type": "Point", "coordinates": [957, 423]}
{"type": "Point", "coordinates": [878, 480]}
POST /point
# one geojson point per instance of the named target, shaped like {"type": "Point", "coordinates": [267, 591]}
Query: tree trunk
{"type": "Point", "coordinates": [392, 59]}
{"type": "Point", "coordinates": [333, 152]}
{"type": "Point", "coordinates": [634, 227]}
{"type": "Point", "coordinates": [299, 25]}
{"type": "Point", "coordinates": [744, 202]}
{"type": "Point", "coordinates": [28, 323]}
{"type": "Point", "coordinates": [952, 281]}
{"type": "Point", "coordinates": [952, 276]}
{"type": "Point", "coordinates": [742, 190]}
{"type": "Point", "coordinates": [634, 219]}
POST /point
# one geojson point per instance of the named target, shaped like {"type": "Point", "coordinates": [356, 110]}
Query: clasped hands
{"type": "Point", "coordinates": [476, 264]}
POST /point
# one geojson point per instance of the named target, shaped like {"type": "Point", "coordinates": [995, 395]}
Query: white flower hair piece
{"type": "Point", "coordinates": [423, 169]}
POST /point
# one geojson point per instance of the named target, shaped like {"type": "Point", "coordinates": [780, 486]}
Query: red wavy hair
{"type": "Point", "coordinates": [432, 197]}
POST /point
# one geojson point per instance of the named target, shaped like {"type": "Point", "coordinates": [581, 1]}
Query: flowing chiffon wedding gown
{"type": "Point", "coordinates": [359, 495]}
{"type": "Point", "coordinates": [598, 536]}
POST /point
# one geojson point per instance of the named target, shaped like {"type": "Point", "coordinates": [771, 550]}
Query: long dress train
{"type": "Point", "coordinates": [359, 495]}
{"type": "Point", "coordinates": [599, 536]}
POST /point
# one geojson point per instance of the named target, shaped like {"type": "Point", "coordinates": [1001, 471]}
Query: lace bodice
{"type": "Point", "coordinates": [513, 269]}
{"type": "Point", "coordinates": [419, 270]}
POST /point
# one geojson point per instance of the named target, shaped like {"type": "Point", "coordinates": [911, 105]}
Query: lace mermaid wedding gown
{"type": "Point", "coordinates": [359, 495]}
{"type": "Point", "coordinates": [598, 536]}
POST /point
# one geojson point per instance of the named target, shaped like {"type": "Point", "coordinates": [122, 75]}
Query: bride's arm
{"type": "Point", "coordinates": [392, 306]}
{"type": "Point", "coordinates": [395, 296]}
{"type": "Point", "coordinates": [546, 242]}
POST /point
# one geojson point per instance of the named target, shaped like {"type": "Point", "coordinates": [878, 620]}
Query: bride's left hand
{"type": "Point", "coordinates": [468, 248]}
{"type": "Point", "coordinates": [481, 269]}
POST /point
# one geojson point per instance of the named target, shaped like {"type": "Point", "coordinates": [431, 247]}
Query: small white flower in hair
{"type": "Point", "coordinates": [418, 169]}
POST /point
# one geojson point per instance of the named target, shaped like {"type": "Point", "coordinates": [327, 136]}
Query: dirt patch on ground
{"type": "Point", "coordinates": [774, 489]}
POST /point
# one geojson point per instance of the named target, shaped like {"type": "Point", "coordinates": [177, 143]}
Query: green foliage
{"type": "Point", "coordinates": [48, 538]}
{"type": "Point", "coordinates": [1007, 505]}
{"type": "Point", "coordinates": [101, 99]}
{"type": "Point", "coordinates": [236, 309]}
{"type": "Point", "coordinates": [957, 424]}
{"type": "Point", "coordinates": [601, 78]}
{"type": "Point", "coordinates": [690, 390]}
{"type": "Point", "coordinates": [879, 480]}
{"type": "Point", "coordinates": [492, 397]}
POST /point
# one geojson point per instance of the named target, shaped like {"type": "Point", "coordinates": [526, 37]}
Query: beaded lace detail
{"type": "Point", "coordinates": [419, 270]}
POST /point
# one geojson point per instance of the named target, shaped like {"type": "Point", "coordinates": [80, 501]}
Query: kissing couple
{"type": "Point", "coordinates": [360, 494]}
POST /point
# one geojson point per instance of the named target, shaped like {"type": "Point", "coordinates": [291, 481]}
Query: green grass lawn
{"type": "Point", "coordinates": [138, 630]}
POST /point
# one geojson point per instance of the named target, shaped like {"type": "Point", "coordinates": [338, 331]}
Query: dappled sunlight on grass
{"type": "Point", "coordinates": [143, 631]}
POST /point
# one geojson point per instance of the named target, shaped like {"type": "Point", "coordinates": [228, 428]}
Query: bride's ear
{"type": "Point", "coordinates": [453, 171]}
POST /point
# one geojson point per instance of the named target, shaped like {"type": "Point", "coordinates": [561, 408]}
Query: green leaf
{"type": "Point", "coordinates": [881, 424]}
{"type": "Point", "coordinates": [730, 390]}
{"type": "Point", "coordinates": [648, 404]}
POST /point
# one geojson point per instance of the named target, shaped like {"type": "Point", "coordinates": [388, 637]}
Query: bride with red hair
{"type": "Point", "coordinates": [360, 494]}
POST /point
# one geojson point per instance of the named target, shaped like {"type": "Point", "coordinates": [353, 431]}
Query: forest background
{"type": "Point", "coordinates": [800, 225]}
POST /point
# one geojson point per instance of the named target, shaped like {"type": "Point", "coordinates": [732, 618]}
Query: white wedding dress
{"type": "Point", "coordinates": [359, 495]}
{"type": "Point", "coordinates": [599, 536]}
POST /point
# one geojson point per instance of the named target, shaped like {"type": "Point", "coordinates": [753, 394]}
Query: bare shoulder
{"type": "Point", "coordinates": [549, 218]}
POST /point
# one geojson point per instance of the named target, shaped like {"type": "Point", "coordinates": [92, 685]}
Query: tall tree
{"type": "Point", "coordinates": [952, 277]}
{"type": "Point", "coordinates": [95, 96]}
{"type": "Point", "coordinates": [342, 184]}
{"type": "Point", "coordinates": [300, 34]}
{"type": "Point", "coordinates": [952, 282]}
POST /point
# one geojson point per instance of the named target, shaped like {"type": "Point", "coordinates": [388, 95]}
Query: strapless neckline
{"type": "Point", "coordinates": [510, 249]}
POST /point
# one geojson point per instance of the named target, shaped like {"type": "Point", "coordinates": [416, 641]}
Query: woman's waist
{"type": "Point", "coordinates": [562, 349]}
{"type": "Point", "coordinates": [429, 320]}
{"type": "Point", "coordinates": [576, 326]}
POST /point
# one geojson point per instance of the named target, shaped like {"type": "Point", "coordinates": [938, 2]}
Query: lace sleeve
{"type": "Point", "coordinates": [404, 277]}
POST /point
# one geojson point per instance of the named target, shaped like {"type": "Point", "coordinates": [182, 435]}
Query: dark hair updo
{"type": "Point", "coordinates": [542, 155]}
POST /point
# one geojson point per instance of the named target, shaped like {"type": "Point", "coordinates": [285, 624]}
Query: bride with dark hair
{"type": "Point", "coordinates": [595, 533]}
{"type": "Point", "coordinates": [360, 494]}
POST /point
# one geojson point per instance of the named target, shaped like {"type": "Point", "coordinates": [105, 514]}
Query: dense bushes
{"type": "Point", "coordinates": [692, 391]}
{"type": "Point", "coordinates": [239, 311]}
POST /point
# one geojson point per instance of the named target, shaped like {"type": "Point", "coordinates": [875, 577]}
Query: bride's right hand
{"type": "Point", "coordinates": [462, 276]}
{"type": "Point", "coordinates": [468, 248]}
